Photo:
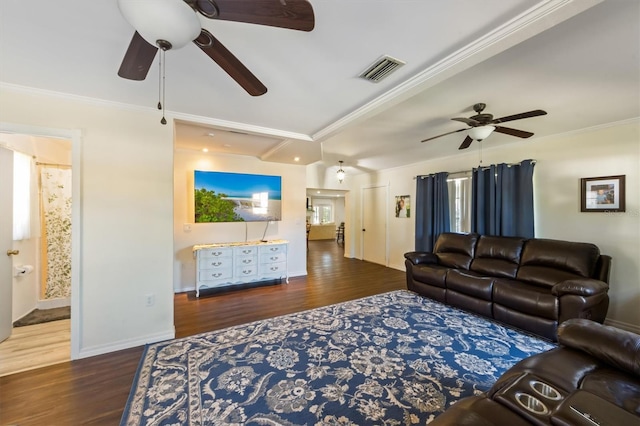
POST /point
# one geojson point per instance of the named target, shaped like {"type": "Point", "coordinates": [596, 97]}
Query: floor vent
{"type": "Point", "coordinates": [381, 68]}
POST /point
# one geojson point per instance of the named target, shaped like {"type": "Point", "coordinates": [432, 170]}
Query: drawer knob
{"type": "Point", "coordinates": [245, 261]}
{"type": "Point", "coordinates": [216, 263]}
{"type": "Point", "coordinates": [217, 274]}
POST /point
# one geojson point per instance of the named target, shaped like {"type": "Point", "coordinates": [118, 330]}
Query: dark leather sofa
{"type": "Point", "coordinates": [531, 284]}
{"type": "Point", "coordinates": [591, 379]}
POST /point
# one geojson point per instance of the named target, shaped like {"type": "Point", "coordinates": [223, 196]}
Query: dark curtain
{"type": "Point", "coordinates": [432, 209]}
{"type": "Point", "coordinates": [502, 200]}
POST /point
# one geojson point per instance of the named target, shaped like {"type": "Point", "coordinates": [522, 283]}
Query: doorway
{"type": "Point", "coordinates": [46, 258]}
{"type": "Point", "coordinates": [374, 224]}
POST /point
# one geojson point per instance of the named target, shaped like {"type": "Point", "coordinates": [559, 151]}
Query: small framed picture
{"type": "Point", "coordinates": [602, 194]}
{"type": "Point", "coordinates": [403, 206]}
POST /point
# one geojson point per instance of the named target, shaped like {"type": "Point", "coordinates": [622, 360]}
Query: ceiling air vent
{"type": "Point", "coordinates": [381, 68]}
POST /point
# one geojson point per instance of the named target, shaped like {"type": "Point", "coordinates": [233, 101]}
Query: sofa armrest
{"type": "Point", "coordinates": [614, 346]}
{"type": "Point", "coordinates": [421, 257]}
{"type": "Point", "coordinates": [580, 287]}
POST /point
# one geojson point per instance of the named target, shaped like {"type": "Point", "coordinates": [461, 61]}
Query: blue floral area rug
{"type": "Point", "coordinates": [391, 359]}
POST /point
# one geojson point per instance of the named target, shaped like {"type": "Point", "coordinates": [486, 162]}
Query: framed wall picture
{"type": "Point", "coordinates": [403, 206]}
{"type": "Point", "coordinates": [602, 194]}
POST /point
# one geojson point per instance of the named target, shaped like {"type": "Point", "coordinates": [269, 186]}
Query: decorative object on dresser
{"type": "Point", "coordinates": [533, 284]}
{"type": "Point", "coordinates": [233, 264]}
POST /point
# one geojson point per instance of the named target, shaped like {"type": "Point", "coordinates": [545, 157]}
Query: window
{"type": "Point", "coordinates": [460, 203]}
{"type": "Point", "coordinates": [21, 196]}
{"type": "Point", "coordinates": [322, 214]}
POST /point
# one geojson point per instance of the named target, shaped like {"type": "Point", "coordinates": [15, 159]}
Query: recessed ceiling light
{"type": "Point", "coordinates": [211, 134]}
{"type": "Point", "coordinates": [318, 192]}
{"type": "Point", "coordinates": [205, 150]}
{"type": "Point", "coordinates": [296, 159]}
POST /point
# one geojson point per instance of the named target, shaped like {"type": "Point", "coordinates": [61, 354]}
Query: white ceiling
{"type": "Point", "coordinates": [577, 59]}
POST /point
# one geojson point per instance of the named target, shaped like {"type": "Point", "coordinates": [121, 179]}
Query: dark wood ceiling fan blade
{"type": "Point", "coordinates": [468, 121]}
{"type": "Point", "coordinates": [291, 14]}
{"type": "Point", "coordinates": [444, 134]}
{"type": "Point", "coordinates": [513, 132]}
{"type": "Point", "coordinates": [229, 63]}
{"type": "Point", "coordinates": [138, 59]}
{"type": "Point", "coordinates": [529, 114]}
{"type": "Point", "coordinates": [466, 142]}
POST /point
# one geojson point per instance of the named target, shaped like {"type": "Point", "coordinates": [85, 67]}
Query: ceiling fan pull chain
{"type": "Point", "coordinates": [161, 88]}
{"type": "Point", "coordinates": [160, 80]}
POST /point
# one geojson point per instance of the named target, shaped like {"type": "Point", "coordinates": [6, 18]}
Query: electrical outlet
{"type": "Point", "coordinates": [186, 227]}
{"type": "Point", "coordinates": [150, 299]}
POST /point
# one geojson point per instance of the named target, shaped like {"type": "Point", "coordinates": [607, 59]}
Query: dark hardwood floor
{"type": "Point", "coordinates": [93, 391]}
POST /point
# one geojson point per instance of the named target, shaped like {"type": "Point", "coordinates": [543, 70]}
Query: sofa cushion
{"type": "Point", "coordinates": [548, 262]}
{"type": "Point", "coordinates": [498, 256]}
{"type": "Point", "coordinates": [470, 283]}
{"type": "Point", "coordinates": [543, 327]}
{"type": "Point", "coordinates": [527, 298]}
{"type": "Point", "coordinates": [455, 250]}
{"type": "Point", "coordinates": [544, 276]}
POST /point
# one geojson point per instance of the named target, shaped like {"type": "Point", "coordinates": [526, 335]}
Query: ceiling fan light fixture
{"type": "Point", "coordinates": [170, 20]}
{"type": "Point", "coordinates": [340, 174]}
{"type": "Point", "coordinates": [481, 132]}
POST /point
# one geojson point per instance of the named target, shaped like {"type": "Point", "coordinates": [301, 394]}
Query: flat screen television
{"type": "Point", "coordinates": [236, 197]}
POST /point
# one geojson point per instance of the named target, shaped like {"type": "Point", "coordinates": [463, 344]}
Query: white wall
{"type": "Point", "coordinates": [291, 227]}
{"type": "Point", "coordinates": [561, 162]}
{"type": "Point", "coordinates": [126, 222]}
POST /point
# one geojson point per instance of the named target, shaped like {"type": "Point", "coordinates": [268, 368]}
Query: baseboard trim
{"type": "Point", "coordinates": [53, 303]}
{"type": "Point", "coordinates": [623, 325]}
{"type": "Point", "coordinates": [126, 344]}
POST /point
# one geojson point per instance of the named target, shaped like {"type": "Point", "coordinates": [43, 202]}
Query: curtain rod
{"type": "Point", "coordinates": [469, 171]}
{"type": "Point", "coordinates": [52, 164]}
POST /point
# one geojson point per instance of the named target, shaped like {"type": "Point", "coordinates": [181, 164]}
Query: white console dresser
{"type": "Point", "coordinates": [229, 264]}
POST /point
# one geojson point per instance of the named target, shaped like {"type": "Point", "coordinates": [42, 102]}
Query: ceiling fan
{"type": "Point", "coordinates": [482, 125]}
{"type": "Point", "coordinates": [171, 24]}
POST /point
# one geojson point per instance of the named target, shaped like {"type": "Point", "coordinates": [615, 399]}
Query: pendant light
{"type": "Point", "coordinates": [340, 174]}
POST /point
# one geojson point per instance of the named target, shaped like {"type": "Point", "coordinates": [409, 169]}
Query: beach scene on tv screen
{"type": "Point", "coordinates": [236, 197]}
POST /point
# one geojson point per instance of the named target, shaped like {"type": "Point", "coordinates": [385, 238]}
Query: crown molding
{"type": "Point", "coordinates": [194, 119]}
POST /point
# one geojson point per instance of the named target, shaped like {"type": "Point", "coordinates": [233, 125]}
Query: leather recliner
{"type": "Point", "coordinates": [592, 378]}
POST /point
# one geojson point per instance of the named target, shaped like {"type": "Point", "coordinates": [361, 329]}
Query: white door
{"type": "Point", "coordinates": [374, 225]}
{"type": "Point", "coordinates": [6, 242]}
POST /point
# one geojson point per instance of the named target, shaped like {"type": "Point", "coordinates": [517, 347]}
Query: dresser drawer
{"type": "Point", "coordinates": [215, 252]}
{"type": "Point", "coordinates": [246, 272]}
{"type": "Point", "coordinates": [246, 260]}
{"type": "Point", "coordinates": [245, 251]}
{"type": "Point", "coordinates": [215, 263]}
{"type": "Point", "coordinates": [272, 249]}
{"type": "Point", "coordinates": [214, 275]}
{"type": "Point", "coordinates": [273, 257]}
{"type": "Point", "coordinates": [279, 269]}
